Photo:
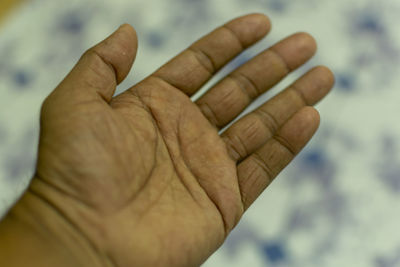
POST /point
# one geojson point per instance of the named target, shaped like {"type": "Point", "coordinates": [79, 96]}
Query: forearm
{"type": "Point", "coordinates": [34, 234]}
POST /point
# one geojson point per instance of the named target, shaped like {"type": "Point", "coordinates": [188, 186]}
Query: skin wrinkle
{"type": "Point", "coordinates": [292, 105]}
{"type": "Point", "coordinates": [57, 188]}
{"type": "Point", "coordinates": [204, 59]}
{"type": "Point", "coordinates": [182, 158]}
{"type": "Point", "coordinates": [295, 94]}
{"type": "Point", "coordinates": [226, 227]}
{"type": "Point", "coordinates": [228, 105]}
{"type": "Point", "coordinates": [86, 103]}
{"type": "Point", "coordinates": [159, 74]}
{"type": "Point", "coordinates": [244, 196]}
{"type": "Point", "coordinates": [142, 187]}
{"type": "Point", "coordinates": [162, 81]}
{"type": "Point", "coordinates": [258, 159]}
{"type": "Point", "coordinates": [246, 85]}
{"type": "Point", "coordinates": [177, 169]}
{"type": "Point", "coordinates": [300, 94]}
{"type": "Point", "coordinates": [236, 145]}
{"type": "Point", "coordinates": [120, 160]}
{"type": "Point", "coordinates": [194, 176]}
{"type": "Point", "coordinates": [231, 149]}
{"type": "Point", "coordinates": [68, 181]}
{"type": "Point", "coordinates": [234, 34]}
{"type": "Point", "coordinates": [226, 230]}
{"type": "Point", "coordinates": [230, 135]}
{"type": "Point", "coordinates": [97, 55]}
{"type": "Point", "coordinates": [116, 137]}
{"type": "Point", "coordinates": [253, 87]}
{"type": "Point", "coordinates": [268, 120]}
{"type": "Point", "coordinates": [225, 223]}
{"type": "Point", "coordinates": [156, 124]}
{"type": "Point", "coordinates": [153, 203]}
{"type": "Point", "coordinates": [112, 136]}
{"type": "Point", "coordinates": [130, 92]}
{"type": "Point", "coordinates": [253, 134]}
{"type": "Point", "coordinates": [281, 59]}
{"type": "Point", "coordinates": [89, 84]}
{"type": "Point", "coordinates": [209, 113]}
{"type": "Point", "coordinates": [284, 143]}
{"type": "Point", "coordinates": [254, 129]}
{"type": "Point", "coordinates": [67, 219]}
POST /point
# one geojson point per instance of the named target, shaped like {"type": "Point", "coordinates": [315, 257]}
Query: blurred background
{"type": "Point", "coordinates": [337, 204]}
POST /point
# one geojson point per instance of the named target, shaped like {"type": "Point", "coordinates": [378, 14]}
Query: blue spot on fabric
{"type": "Point", "coordinates": [22, 78]}
{"type": "Point", "coordinates": [321, 167]}
{"type": "Point", "coordinates": [277, 5]}
{"type": "Point", "coordinates": [345, 82]}
{"type": "Point", "coordinates": [370, 23]}
{"type": "Point", "coordinates": [314, 158]}
{"type": "Point", "coordinates": [72, 23]}
{"type": "Point", "coordinates": [155, 39]}
{"type": "Point", "coordinates": [274, 252]}
{"type": "Point", "coordinates": [3, 134]}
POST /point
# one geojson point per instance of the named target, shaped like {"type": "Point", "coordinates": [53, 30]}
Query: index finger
{"type": "Point", "coordinates": [192, 68]}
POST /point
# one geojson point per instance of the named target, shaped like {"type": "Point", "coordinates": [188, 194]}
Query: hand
{"type": "Point", "coordinates": [144, 178]}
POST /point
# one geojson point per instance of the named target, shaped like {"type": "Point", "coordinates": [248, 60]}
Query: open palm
{"type": "Point", "coordinates": [145, 178]}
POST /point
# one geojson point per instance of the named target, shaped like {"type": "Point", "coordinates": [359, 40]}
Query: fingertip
{"type": "Point", "coordinates": [106, 64]}
{"type": "Point", "coordinates": [311, 115]}
{"type": "Point", "coordinates": [119, 50]}
{"type": "Point", "coordinates": [261, 19]}
{"type": "Point", "coordinates": [311, 121]}
{"type": "Point", "coordinates": [125, 39]}
{"type": "Point", "coordinates": [326, 74]}
{"type": "Point", "coordinates": [308, 123]}
{"type": "Point", "coordinates": [250, 28]}
{"type": "Point", "coordinates": [315, 84]}
{"type": "Point", "coordinates": [129, 30]}
{"type": "Point", "coordinates": [299, 129]}
{"type": "Point", "coordinates": [306, 40]}
{"type": "Point", "coordinates": [296, 49]}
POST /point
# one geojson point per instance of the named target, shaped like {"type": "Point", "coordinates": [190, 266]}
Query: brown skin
{"type": "Point", "coordinates": [144, 178]}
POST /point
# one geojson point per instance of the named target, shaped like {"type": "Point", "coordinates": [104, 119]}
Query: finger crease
{"type": "Point", "coordinates": [163, 80]}
{"type": "Point", "coordinates": [251, 183]}
{"type": "Point", "coordinates": [268, 120]}
{"type": "Point", "coordinates": [209, 113]}
{"type": "Point", "coordinates": [239, 146]}
{"type": "Point", "coordinates": [300, 94]}
{"type": "Point", "coordinates": [232, 151]}
{"type": "Point", "coordinates": [64, 216]}
{"type": "Point", "coordinates": [281, 59]}
{"type": "Point", "coordinates": [107, 63]}
{"type": "Point", "coordinates": [264, 166]}
{"type": "Point", "coordinates": [236, 36]}
{"type": "Point", "coordinates": [204, 59]}
{"type": "Point", "coordinates": [246, 84]}
{"type": "Point", "coordinates": [282, 141]}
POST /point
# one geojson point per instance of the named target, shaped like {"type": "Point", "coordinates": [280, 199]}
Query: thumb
{"type": "Point", "coordinates": [101, 68]}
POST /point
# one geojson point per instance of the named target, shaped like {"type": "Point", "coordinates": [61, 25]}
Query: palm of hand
{"type": "Point", "coordinates": [145, 176]}
{"type": "Point", "coordinates": [153, 168]}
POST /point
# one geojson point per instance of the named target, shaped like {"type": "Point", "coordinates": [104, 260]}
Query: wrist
{"type": "Point", "coordinates": [36, 233]}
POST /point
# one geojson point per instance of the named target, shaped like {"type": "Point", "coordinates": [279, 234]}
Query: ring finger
{"type": "Point", "coordinates": [253, 130]}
